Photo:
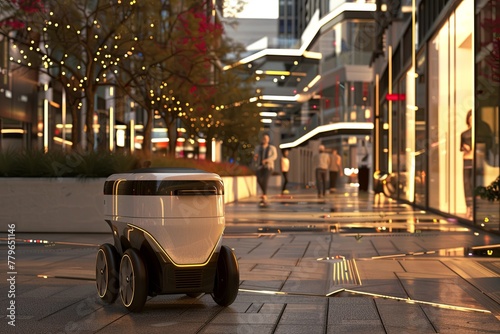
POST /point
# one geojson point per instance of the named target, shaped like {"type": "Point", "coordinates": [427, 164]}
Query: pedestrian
{"type": "Point", "coordinates": [380, 180]}
{"type": "Point", "coordinates": [264, 156]}
{"type": "Point", "coordinates": [335, 169]}
{"type": "Point", "coordinates": [321, 164]}
{"type": "Point", "coordinates": [468, 154]}
{"type": "Point", "coordinates": [285, 167]}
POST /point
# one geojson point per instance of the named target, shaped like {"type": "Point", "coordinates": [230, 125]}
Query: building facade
{"type": "Point", "coordinates": [319, 91]}
{"type": "Point", "coordinates": [437, 106]}
{"type": "Point", "coordinates": [18, 99]}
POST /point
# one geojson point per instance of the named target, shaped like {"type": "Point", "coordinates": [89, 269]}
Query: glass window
{"type": "Point", "coordinates": [347, 101]}
{"type": "Point", "coordinates": [13, 134]}
{"type": "Point", "coordinates": [384, 138]}
{"type": "Point", "coordinates": [451, 96]}
{"type": "Point", "coordinates": [405, 136]}
{"type": "Point", "coordinates": [394, 137]}
{"type": "Point", "coordinates": [349, 43]}
{"type": "Point", "coordinates": [420, 132]}
{"type": "Point", "coordinates": [281, 26]}
{"type": "Point", "coordinates": [461, 42]}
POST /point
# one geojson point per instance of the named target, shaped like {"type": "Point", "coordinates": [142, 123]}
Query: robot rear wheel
{"type": "Point", "coordinates": [227, 278]}
{"type": "Point", "coordinates": [106, 273]}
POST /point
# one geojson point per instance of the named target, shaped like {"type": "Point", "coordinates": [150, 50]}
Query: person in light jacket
{"type": "Point", "coordinates": [285, 167]}
{"type": "Point", "coordinates": [321, 164]}
{"type": "Point", "coordinates": [264, 155]}
{"type": "Point", "coordinates": [335, 169]}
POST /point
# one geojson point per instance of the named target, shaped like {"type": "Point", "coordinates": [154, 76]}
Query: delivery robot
{"type": "Point", "coordinates": [167, 227]}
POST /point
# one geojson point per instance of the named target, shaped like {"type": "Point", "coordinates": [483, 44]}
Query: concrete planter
{"type": "Point", "coordinates": [68, 205]}
{"type": "Point", "coordinates": [236, 188]}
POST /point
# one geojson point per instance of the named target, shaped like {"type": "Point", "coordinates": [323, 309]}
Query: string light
{"type": "Point", "coordinates": [109, 64]}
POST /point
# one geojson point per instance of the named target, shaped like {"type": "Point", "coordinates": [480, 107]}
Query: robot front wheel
{"type": "Point", "coordinates": [133, 281]}
{"type": "Point", "coordinates": [227, 278]}
{"type": "Point", "coordinates": [127, 278]}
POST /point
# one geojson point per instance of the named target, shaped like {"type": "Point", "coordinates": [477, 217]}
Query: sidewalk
{"type": "Point", "coordinates": [388, 268]}
{"type": "Point", "coordinates": [307, 265]}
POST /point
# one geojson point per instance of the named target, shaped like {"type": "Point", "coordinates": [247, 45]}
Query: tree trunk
{"type": "Point", "coordinates": [146, 142]}
{"type": "Point", "coordinates": [172, 136]}
{"type": "Point", "coordinates": [208, 155]}
{"type": "Point", "coordinates": [75, 130]}
{"type": "Point", "coordinates": [89, 118]}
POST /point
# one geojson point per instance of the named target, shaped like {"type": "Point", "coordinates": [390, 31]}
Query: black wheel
{"type": "Point", "coordinates": [133, 281]}
{"type": "Point", "coordinates": [227, 278]}
{"type": "Point", "coordinates": [106, 273]}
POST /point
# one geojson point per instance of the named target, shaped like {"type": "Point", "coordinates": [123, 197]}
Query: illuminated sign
{"type": "Point", "coordinates": [395, 97]}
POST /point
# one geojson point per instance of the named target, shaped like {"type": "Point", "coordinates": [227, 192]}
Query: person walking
{"type": "Point", "coordinates": [285, 167]}
{"type": "Point", "coordinates": [321, 163]}
{"type": "Point", "coordinates": [468, 171]}
{"type": "Point", "coordinates": [335, 169]}
{"type": "Point", "coordinates": [264, 155]}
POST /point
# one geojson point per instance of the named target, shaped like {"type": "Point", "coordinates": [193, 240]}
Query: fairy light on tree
{"type": "Point", "coordinates": [75, 50]}
{"type": "Point", "coordinates": [171, 56]}
{"type": "Point", "coordinates": [164, 54]}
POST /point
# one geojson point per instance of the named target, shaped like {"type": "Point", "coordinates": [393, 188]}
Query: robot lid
{"type": "Point", "coordinates": [167, 173]}
{"type": "Point", "coordinates": [164, 181]}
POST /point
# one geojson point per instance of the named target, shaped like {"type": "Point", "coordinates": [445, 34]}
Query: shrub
{"type": "Point", "coordinates": [36, 163]}
{"type": "Point", "coordinates": [491, 192]}
{"type": "Point", "coordinates": [221, 168]}
{"type": "Point", "coordinates": [8, 163]}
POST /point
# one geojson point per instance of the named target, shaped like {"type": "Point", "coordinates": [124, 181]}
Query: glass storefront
{"type": "Point", "coordinates": [397, 144]}
{"type": "Point", "coordinates": [421, 153]}
{"type": "Point", "coordinates": [442, 142]}
{"type": "Point", "coordinates": [451, 98]}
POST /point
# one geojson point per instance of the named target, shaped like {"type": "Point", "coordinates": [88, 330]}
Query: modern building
{"type": "Point", "coordinates": [18, 99]}
{"type": "Point", "coordinates": [315, 85]}
{"type": "Point", "coordinates": [437, 104]}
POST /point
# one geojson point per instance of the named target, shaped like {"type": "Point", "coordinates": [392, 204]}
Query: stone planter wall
{"type": "Point", "coordinates": [236, 188]}
{"type": "Point", "coordinates": [67, 205]}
